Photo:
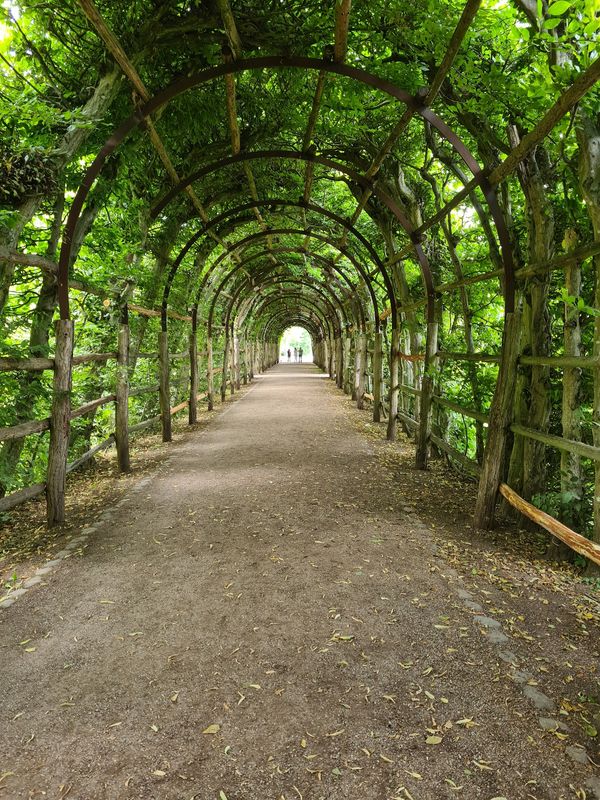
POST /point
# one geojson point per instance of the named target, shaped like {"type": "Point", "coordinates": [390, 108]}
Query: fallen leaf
{"type": "Point", "coordinates": [214, 728]}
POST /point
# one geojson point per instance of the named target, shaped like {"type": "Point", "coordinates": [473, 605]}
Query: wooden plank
{"type": "Point", "coordinates": [26, 364]}
{"type": "Point", "coordinates": [24, 429]}
{"type": "Point", "coordinates": [144, 389]}
{"type": "Point", "coordinates": [10, 501]}
{"type": "Point", "coordinates": [90, 358]}
{"type": "Point", "coordinates": [87, 407]}
{"type": "Point", "coordinates": [164, 391]}
{"type": "Point", "coordinates": [479, 357]}
{"type": "Point", "coordinates": [574, 540]}
{"type": "Point", "coordinates": [91, 453]}
{"type": "Point", "coordinates": [584, 450]}
{"type": "Point", "coordinates": [467, 412]}
{"type": "Point", "coordinates": [180, 407]}
{"type": "Point", "coordinates": [139, 426]}
{"type": "Point", "coordinates": [576, 362]}
{"type": "Point", "coordinates": [467, 463]}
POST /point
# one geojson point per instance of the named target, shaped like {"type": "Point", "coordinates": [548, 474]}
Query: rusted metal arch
{"type": "Point", "coordinates": [353, 301]}
{"type": "Point", "coordinates": [274, 232]}
{"type": "Point", "coordinates": [335, 309]}
{"type": "Point", "coordinates": [277, 62]}
{"type": "Point", "coordinates": [275, 203]}
{"type": "Point", "coordinates": [348, 305]}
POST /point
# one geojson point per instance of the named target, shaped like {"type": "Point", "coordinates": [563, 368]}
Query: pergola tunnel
{"type": "Point", "coordinates": [411, 198]}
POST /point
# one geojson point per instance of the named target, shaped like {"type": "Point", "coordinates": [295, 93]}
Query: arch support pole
{"type": "Point", "coordinates": [236, 361]}
{"type": "Point", "coordinates": [361, 369]}
{"type": "Point", "coordinates": [164, 388]}
{"type": "Point", "coordinates": [122, 393]}
{"type": "Point", "coordinates": [377, 375]}
{"type": "Point", "coordinates": [501, 413]}
{"type": "Point", "coordinates": [394, 386]}
{"type": "Point", "coordinates": [193, 407]}
{"type": "Point", "coordinates": [339, 363]}
{"type": "Point", "coordinates": [427, 390]}
{"type": "Point", "coordinates": [210, 377]}
{"type": "Point", "coordinates": [59, 423]}
{"type": "Point", "coordinates": [225, 370]}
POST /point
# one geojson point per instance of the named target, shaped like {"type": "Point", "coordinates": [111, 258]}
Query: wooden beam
{"type": "Point", "coordinates": [230, 28]}
{"type": "Point", "coordinates": [574, 540]}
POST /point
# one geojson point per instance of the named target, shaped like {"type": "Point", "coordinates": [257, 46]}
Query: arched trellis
{"type": "Point", "coordinates": [277, 203]}
{"type": "Point", "coordinates": [352, 288]}
{"type": "Point", "coordinates": [415, 104]}
{"type": "Point", "coordinates": [274, 232]}
{"type": "Point", "coordinates": [286, 280]}
{"type": "Point", "coordinates": [354, 297]}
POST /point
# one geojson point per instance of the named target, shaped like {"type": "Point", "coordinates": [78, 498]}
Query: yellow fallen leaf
{"type": "Point", "coordinates": [214, 728]}
{"type": "Point", "coordinates": [433, 740]}
{"type": "Point", "coordinates": [174, 697]}
{"type": "Point", "coordinates": [159, 773]}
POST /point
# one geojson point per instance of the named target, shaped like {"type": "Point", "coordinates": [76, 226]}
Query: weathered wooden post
{"type": "Point", "coordinates": [193, 407]}
{"type": "Point", "coordinates": [122, 393]}
{"type": "Point", "coordinates": [377, 375]}
{"type": "Point", "coordinates": [163, 378]}
{"type": "Point", "coordinates": [394, 387]}
{"type": "Point", "coordinates": [361, 369]}
{"type": "Point", "coordinates": [225, 369]}
{"type": "Point", "coordinates": [339, 362]}
{"type": "Point", "coordinates": [347, 367]}
{"type": "Point", "coordinates": [60, 418]}
{"type": "Point", "coordinates": [210, 387]}
{"type": "Point", "coordinates": [236, 360]}
{"type": "Point", "coordinates": [501, 413]}
{"type": "Point", "coordinates": [251, 359]}
{"type": "Point", "coordinates": [244, 352]}
{"type": "Point", "coordinates": [427, 389]}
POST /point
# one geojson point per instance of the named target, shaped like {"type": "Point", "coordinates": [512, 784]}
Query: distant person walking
{"type": "Point", "coordinates": [295, 354]}
{"type": "Point", "coordinates": [300, 353]}
{"type": "Point", "coordinates": [289, 355]}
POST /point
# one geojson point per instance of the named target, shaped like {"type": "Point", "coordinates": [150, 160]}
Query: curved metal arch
{"type": "Point", "coordinates": [284, 231]}
{"type": "Point", "coordinates": [276, 279]}
{"type": "Point", "coordinates": [303, 300]}
{"type": "Point", "coordinates": [188, 82]}
{"type": "Point", "coordinates": [336, 309]}
{"type": "Point", "coordinates": [354, 298]}
{"type": "Point", "coordinates": [353, 302]}
{"type": "Point", "coordinates": [266, 204]}
{"type": "Point", "coordinates": [304, 322]}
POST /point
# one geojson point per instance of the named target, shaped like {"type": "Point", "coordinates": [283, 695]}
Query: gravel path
{"type": "Point", "coordinates": [264, 618]}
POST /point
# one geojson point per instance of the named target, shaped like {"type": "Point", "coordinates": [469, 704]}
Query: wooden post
{"type": "Point", "coordinates": [59, 423]}
{"type": "Point", "coordinates": [122, 393]}
{"type": "Point", "coordinates": [225, 369]}
{"type": "Point", "coordinates": [210, 389]}
{"type": "Point", "coordinates": [339, 362]}
{"type": "Point", "coordinates": [377, 375]}
{"type": "Point", "coordinates": [394, 388]}
{"type": "Point", "coordinates": [164, 389]}
{"type": "Point", "coordinates": [193, 407]}
{"type": "Point", "coordinates": [236, 361]}
{"type": "Point", "coordinates": [346, 367]}
{"type": "Point", "coordinates": [244, 351]}
{"type": "Point", "coordinates": [427, 389]}
{"type": "Point", "coordinates": [251, 359]}
{"type": "Point", "coordinates": [361, 369]}
{"type": "Point", "coordinates": [501, 413]}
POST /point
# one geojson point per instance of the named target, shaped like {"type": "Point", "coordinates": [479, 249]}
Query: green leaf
{"type": "Point", "coordinates": [549, 24]}
{"type": "Point", "coordinates": [559, 7]}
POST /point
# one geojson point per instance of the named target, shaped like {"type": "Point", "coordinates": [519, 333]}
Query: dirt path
{"type": "Point", "coordinates": [262, 619]}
